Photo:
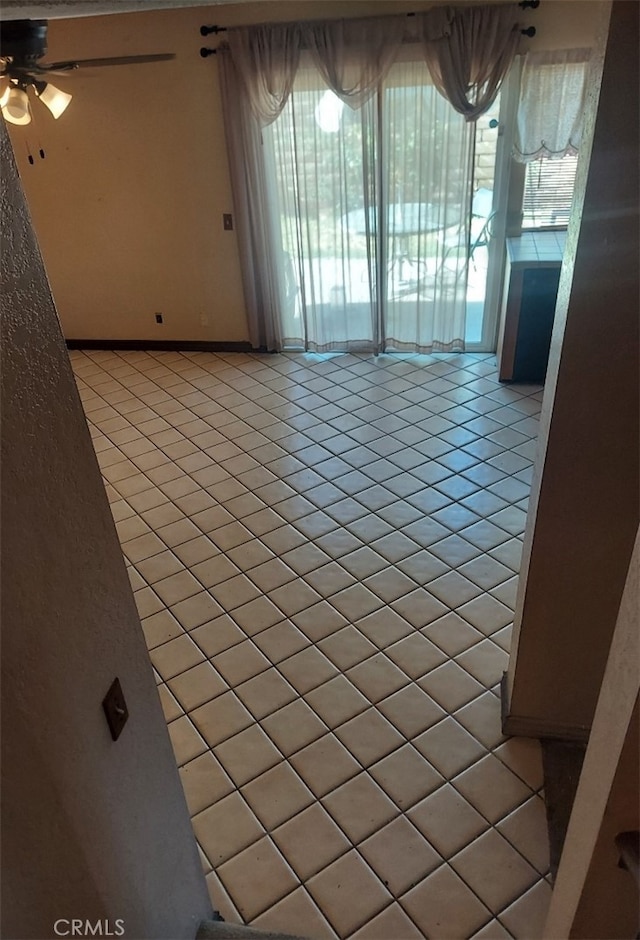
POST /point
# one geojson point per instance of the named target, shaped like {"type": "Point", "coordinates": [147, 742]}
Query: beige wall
{"type": "Point", "coordinates": [90, 828]}
{"type": "Point", "coordinates": [584, 505]}
{"type": "Point", "coordinates": [128, 202]}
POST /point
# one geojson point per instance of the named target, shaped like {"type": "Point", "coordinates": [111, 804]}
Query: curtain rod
{"type": "Point", "coordinates": [214, 30]}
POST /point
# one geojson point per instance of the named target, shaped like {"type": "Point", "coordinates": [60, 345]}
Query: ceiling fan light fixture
{"type": "Point", "coordinates": [16, 107]}
{"type": "Point", "coordinates": [55, 99]}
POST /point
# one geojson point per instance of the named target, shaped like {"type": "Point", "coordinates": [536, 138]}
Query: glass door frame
{"type": "Point", "coordinates": [497, 245]}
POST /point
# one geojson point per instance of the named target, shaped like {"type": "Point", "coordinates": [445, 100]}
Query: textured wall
{"type": "Point", "coordinates": [584, 506]}
{"type": "Point", "coordinates": [90, 828]}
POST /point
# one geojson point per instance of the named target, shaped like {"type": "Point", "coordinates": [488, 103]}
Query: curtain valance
{"type": "Point", "coordinates": [551, 104]}
{"type": "Point", "coordinates": [468, 51]}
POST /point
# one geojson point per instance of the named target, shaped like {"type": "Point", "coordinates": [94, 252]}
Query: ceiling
{"type": "Point", "coordinates": [55, 9]}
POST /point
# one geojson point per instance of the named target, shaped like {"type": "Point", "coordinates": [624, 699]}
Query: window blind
{"type": "Point", "coordinates": [548, 192]}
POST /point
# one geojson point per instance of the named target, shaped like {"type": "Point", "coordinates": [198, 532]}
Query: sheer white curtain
{"type": "Point", "coordinates": [553, 88]}
{"type": "Point", "coordinates": [353, 221]}
{"type": "Point", "coordinates": [374, 215]}
{"type": "Point", "coordinates": [321, 160]}
{"type": "Point", "coordinates": [426, 167]}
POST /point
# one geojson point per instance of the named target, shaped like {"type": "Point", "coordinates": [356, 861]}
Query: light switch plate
{"type": "Point", "coordinates": [115, 709]}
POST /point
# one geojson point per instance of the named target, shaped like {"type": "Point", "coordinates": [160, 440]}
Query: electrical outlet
{"type": "Point", "coordinates": [227, 221]}
{"type": "Point", "coordinates": [204, 319]}
{"type": "Point", "coordinates": [159, 318]}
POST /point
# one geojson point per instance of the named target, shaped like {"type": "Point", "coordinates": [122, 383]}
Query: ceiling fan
{"type": "Point", "coordinates": [23, 43]}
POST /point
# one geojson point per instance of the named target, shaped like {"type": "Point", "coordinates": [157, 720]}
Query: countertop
{"type": "Point", "coordinates": [536, 248]}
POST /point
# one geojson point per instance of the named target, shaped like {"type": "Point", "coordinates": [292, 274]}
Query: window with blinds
{"type": "Point", "coordinates": [548, 192]}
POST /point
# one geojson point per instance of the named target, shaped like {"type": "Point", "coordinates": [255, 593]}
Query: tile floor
{"type": "Point", "coordinates": [324, 553]}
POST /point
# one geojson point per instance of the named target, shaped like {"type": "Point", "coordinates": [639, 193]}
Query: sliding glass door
{"type": "Point", "coordinates": [372, 210]}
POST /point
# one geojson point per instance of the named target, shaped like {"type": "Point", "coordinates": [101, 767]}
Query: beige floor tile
{"type": "Point", "coordinates": [415, 655]}
{"type": "Point", "coordinates": [485, 661]}
{"type": "Point", "coordinates": [452, 634]}
{"type": "Point", "coordinates": [306, 531]}
{"type": "Point", "coordinates": [482, 719]}
{"type": "Point", "coordinates": [257, 878]}
{"type": "Point", "coordinates": [450, 686]}
{"type": "Point", "coordinates": [525, 918]}
{"type": "Point", "coordinates": [447, 820]}
{"type": "Point", "coordinates": [225, 828]}
{"type": "Point", "coordinates": [492, 788]}
{"type": "Point", "coordinates": [419, 608]}
{"type": "Point", "coordinates": [297, 914]}
{"type": "Point", "coordinates": [347, 647]}
{"type": "Point", "coordinates": [325, 764]}
{"type": "Point", "coordinates": [147, 602]}
{"type": "Point", "coordinates": [411, 710]}
{"type": "Point", "coordinates": [377, 677]}
{"type": "Point", "coordinates": [250, 555]}
{"type": "Point", "coordinates": [265, 693]}
{"type": "Point", "coordinates": [177, 587]}
{"type": "Point", "coordinates": [360, 807]}
{"type": "Point", "coordinates": [241, 662]}
{"type": "Point", "coordinates": [337, 701]}
{"type": "Point", "coordinates": [196, 551]}
{"type": "Point", "coordinates": [305, 558]}
{"type": "Point", "coordinates": [443, 907]}
{"type": "Point", "coordinates": [176, 656]}
{"type": "Point", "coordinates": [405, 776]}
{"type": "Point", "coordinates": [247, 754]}
{"type": "Point", "coordinates": [348, 893]}
{"type": "Point", "coordinates": [197, 685]}
{"type": "Point", "coordinates": [277, 795]}
{"type": "Point", "coordinates": [218, 635]}
{"type": "Point", "coordinates": [170, 706]}
{"type": "Point", "coordinates": [486, 571]}
{"type": "Point", "coordinates": [257, 615]}
{"type": "Point", "coordinates": [196, 610]}
{"type": "Point", "coordinates": [294, 597]}
{"type": "Point", "coordinates": [185, 740]}
{"type": "Point", "coordinates": [524, 757]}
{"type": "Point", "coordinates": [526, 830]}
{"type": "Point", "coordinates": [399, 855]}
{"type": "Point", "coordinates": [492, 931]}
{"type": "Point", "coordinates": [221, 718]}
{"type": "Point", "coordinates": [160, 628]}
{"type": "Point", "coordinates": [178, 532]}
{"type": "Point", "coordinates": [330, 579]}
{"type": "Point", "coordinates": [307, 669]}
{"type": "Point", "coordinates": [310, 841]}
{"type": "Point", "coordinates": [356, 602]}
{"type": "Point", "coordinates": [486, 614]}
{"type": "Point", "coordinates": [159, 567]}
{"type": "Point", "coordinates": [319, 621]}
{"type": "Point", "coordinates": [391, 923]}
{"type": "Point", "coordinates": [369, 736]}
{"type": "Point", "coordinates": [214, 570]}
{"type": "Point", "coordinates": [389, 584]}
{"type": "Point", "coordinates": [384, 627]}
{"type": "Point", "coordinates": [453, 589]}
{"type": "Point", "coordinates": [494, 870]}
{"type": "Point", "coordinates": [235, 592]}
{"type": "Point", "coordinates": [449, 748]}
{"type": "Point", "coordinates": [271, 574]}
{"type": "Point", "coordinates": [280, 641]}
{"type": "Point", "coordinates": [293, 727]}
{"type": "Point", "coordinates": [204, 782]}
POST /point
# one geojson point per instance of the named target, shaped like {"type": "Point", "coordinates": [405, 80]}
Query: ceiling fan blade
{"type": "Point", "coordinates": [99, 63]}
